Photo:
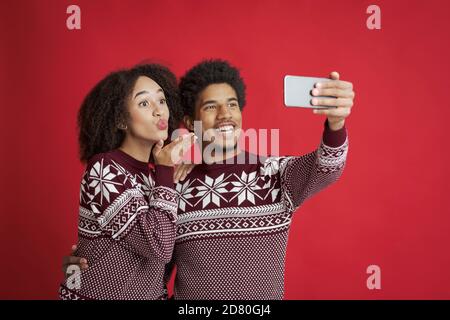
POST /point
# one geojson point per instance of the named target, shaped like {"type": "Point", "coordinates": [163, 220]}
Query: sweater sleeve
{"type": "Point", "coordinates": [168, 271]}
{"type": "Point", "coordinates": [301, 177]}
{"type": "Point", "coordinates": [121, 210]}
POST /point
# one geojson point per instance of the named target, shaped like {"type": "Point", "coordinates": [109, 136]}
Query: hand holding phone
{"type": "Point", "coordinates": [297, 91]}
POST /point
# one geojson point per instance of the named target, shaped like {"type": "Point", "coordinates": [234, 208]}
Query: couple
{"type": "Point", "coordinates": [224, 226]}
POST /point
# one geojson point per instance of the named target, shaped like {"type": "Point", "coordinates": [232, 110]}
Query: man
{"type": "Point", "coordinates": [234, 219]}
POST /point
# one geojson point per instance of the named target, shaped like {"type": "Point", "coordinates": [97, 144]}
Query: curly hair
{"type": "Point", "coordinates": [105, 108]}
{"type": "Point", "coordinates": [205, 73]}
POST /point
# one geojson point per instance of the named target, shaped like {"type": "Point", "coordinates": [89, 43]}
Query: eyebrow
{"type": "Point", "coordinates": [145, 91]}
{"type": "Point", "coordinates": [215, 101]}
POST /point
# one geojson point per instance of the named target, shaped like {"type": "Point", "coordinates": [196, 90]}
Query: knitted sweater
{"type": "Point", "coordinates": [234, 219]}
{"type": "Point", "coordinates": [126, 229]}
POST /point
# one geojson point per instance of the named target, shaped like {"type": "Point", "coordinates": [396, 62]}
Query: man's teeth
{"type": "Point", "coordinates": [225, 129]}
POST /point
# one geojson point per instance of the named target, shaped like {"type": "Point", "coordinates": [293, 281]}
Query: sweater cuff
{"type": "Point", "coordinates": [164, 176]}
{"type": "Point", "coordinates": [332, 138]}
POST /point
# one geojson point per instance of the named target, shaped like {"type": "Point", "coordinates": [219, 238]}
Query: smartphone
{"type": "Point", "coordinates": [297, 91]}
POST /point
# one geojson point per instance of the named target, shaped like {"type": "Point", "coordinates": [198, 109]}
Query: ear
{"type": "Point", "coordinates": [188, 123]}
{"type": "Point", "coordinates": [122, 126]}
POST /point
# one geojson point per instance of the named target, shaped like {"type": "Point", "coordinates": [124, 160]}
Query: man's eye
{"type": "Point", "coordinates": [143, 103]}
{"type": "Point", "coordinates": [211, 106]}
{"type": "Point", "coordinates": [163, 101]}
{"type": "Point", "coordinates": [233, 105]}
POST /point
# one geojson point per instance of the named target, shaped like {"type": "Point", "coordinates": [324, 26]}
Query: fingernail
{"type": "Point", "coordinates": [315, 92]}
{"type": "Point", "coordinates": [314, 111]}
{"type": "Point", "coordinates": [318, 85]}
{"type": "Point", "coordinates": [314, 101]}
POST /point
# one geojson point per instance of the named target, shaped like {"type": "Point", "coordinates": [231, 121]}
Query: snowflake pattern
{"type": "Point", "coordinates": [211, 190]}
{"type": "Point", "coordinates": [185, 192]}
{"type": "Point", "coordinates": [246, 187]}
{"type": "Point", "coordinates": [216, 191]}
{"type": "Point", "coordinates": [102, 180]}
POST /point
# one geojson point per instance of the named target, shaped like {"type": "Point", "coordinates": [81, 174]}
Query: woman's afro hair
{"type": "Point", "coordinates": [104, 109]}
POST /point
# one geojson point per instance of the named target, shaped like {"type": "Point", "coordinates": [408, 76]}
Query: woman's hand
{"type": "Point", "coordinates": [181, 171]}
{"type": "Point", "coordinates": [172, 154]}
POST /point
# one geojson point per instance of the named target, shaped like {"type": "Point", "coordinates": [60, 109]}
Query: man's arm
{"type": "Point", "coordinates": [302, 177]}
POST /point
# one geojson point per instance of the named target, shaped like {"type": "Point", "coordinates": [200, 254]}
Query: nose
{"type": "Point", "coordinates": [158, 111]}
{"type": "Point", "coordinates": [224, 112]}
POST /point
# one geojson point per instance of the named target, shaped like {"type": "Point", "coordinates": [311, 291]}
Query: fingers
{"type": "Point", "coordinates": [341, 105]}
{"type": "Point", "coordinates": [74, 260]}
{"type": "Point", "coordinates": [332, 102]}
{"type": "Point", "coordinates": [182, 170]}
{"type": "Point", "coordinates": [180, 146]}
{"type": "Point", "coordinates": [177, 173]}
{"type": "Point", "coordinates": [334, 75]}
{"type": "Point", "coordinates": [183, 175]}
{"type": "Point", "coordinates": [189, 169]}
{"type": "Point", "coordinates": [157, 148]}
{"type": "Point", "coordinates": [335, 112]}
{"type": "Point", "coordinates": [80, 262]}
{"type": "Point", "coordinates": [178, 142]}
{"type": "Point", "coordinates": [188, 141]}
{"type": "Point", "coordinates": [186, 170]}
{"type": "Point", "coordinates": [333, 92]}
{"type": "Point", "coordinates": [339, 84]}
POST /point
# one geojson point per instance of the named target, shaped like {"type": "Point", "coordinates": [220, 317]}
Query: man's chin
{"type": "Point", "coordinates": [226, 147]}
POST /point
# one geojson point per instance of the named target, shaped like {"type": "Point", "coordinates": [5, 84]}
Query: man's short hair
{"type": "Point", "coordinates": [204, 74]}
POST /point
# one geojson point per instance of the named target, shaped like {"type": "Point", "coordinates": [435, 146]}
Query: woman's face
{"type": "Point", "coordinates": [149, 113]}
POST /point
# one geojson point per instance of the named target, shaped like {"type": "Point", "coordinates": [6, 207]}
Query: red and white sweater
{"type": "Point", "coordinates": [126, 229]}
{"type": "Point", "coordinates": [234, 219]}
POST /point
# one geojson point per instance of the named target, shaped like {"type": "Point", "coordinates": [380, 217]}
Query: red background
{"type": "Point", "coordinates": [388, 209]}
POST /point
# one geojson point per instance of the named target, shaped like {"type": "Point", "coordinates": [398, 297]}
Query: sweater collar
{"type": "Point", "coordinates": [139, 165]}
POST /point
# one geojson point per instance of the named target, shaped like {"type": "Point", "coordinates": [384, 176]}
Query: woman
{"type": "Point", "coordinates": [127, 211]}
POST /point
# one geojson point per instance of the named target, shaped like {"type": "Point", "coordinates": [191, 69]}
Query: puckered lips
{"type": "Point", "coordinates": [162, 124]}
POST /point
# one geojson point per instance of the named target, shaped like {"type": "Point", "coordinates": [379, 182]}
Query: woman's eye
{"type": "Point", "coordinates": [143, 103]}
{"type": "Point", "coordinates": [163, 101]}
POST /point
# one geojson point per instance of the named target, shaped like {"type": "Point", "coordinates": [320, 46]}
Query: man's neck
{"type": "Point", "coordinates": [220, 157]}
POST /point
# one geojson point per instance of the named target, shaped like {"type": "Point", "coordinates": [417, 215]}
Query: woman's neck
{"type": "Point", "coordinates": [139, 150]}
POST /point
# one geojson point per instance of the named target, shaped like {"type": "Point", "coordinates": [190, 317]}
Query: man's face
{"type": "Point", "coordinates": [217, 107]}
